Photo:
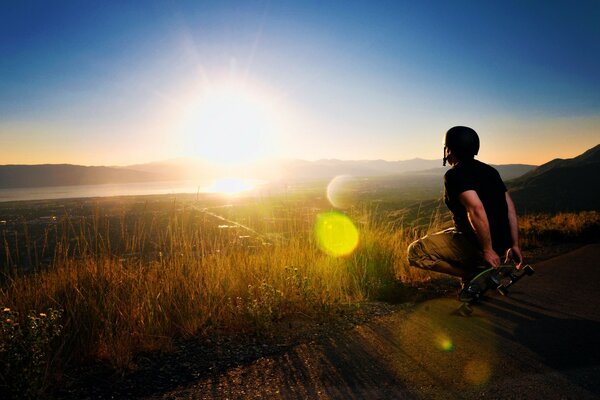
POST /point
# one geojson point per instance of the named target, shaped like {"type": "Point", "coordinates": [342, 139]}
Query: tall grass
{"type": "Point", "coordinates": [137, 284]}
{"type": "Point", "coordinates": [137, 281]}
{"type": "Point", "coordinates": [539, 229]}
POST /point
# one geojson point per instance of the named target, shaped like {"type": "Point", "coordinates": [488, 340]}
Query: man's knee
{"type": "Point", "coordinates": [415, 254]}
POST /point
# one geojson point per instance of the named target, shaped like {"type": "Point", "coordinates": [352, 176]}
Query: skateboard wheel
{"type": "Point", "coordinates": [502, 290]}
{"type": "Point", "coordinates": [528, 270]}
{"type": "Point", "coordinates": [466, 310]}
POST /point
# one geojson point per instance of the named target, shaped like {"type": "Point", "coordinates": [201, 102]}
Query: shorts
{"type": "Point", "coordinates": [449, 245]}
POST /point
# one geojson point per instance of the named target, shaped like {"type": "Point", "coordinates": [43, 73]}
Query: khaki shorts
{"type": "Point", "coordinates": [449, 245]}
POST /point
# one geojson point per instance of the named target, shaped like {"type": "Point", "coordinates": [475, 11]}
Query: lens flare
{"type": "Point", "coordinates": [340, 192]}
{"type": "Point", "coordinates": [336, 234]}
{"type": "Point", "coordinates": [477, 372]}
{"type": "Point", "coordinates": [462, 352]}
{"type": "Point", "coordinates": [444, 343]}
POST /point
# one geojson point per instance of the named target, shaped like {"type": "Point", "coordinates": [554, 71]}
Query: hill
{"type": "Point", "coordinates": [560, 185]}
{"type": "Point", "coordinates": [326, 169]}
{"type": "Point", "coordinates": [415, 172]}
{"type": "Point", "coordinates": [317, 170]}
{"type": "Point", "coordinates": [189, 168]}
{"type": "Point", "coordinates": [506, 171]}
{"type": "Point", "coordinates": [21, 176]}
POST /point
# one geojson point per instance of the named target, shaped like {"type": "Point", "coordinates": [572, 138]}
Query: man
{"type": "Point", "coordinates": [485, 221]}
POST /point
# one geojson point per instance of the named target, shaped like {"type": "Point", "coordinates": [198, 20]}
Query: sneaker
{"type": "Point", "coordinates": [469, 292]}
{"type": "Point", "coordinates": [464, 281]}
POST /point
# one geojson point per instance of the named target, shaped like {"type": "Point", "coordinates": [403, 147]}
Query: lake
{"type": "Point", "coordinates": [104, 190]}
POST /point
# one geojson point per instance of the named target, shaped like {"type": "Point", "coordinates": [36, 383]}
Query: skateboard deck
{"type": "Point", "coordinates": [500, 278]}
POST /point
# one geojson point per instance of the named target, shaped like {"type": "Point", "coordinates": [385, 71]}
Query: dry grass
{"type": "Point", "coordinates": [539, 229]}
{"type": "Point", "coordinates": [137, 285]}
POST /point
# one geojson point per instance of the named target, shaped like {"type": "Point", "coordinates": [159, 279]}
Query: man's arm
{"type": "Point", "coordinates": [479, 221]}
{"type": "Point", "coordinates": [514, 252]}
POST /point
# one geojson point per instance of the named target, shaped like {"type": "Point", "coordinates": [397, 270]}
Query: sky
{"type": "Point", "coordinates": [127, 82]}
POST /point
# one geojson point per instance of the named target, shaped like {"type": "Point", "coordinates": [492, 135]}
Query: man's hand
{"type": "Point", "coordinates": [491, 258]}
{"type": "Point", "coordinates": [514, 254]}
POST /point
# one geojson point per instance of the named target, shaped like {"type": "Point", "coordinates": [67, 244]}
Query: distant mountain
{"type": "Point", "coordinates": [19, 176]}
{"type": "Point", "coordinates": [189, 168]}
{"type": "Point", "coordinates": [506, 171]}
{"type": "Point", "coordinates": [177, 169]}
{"type": "Point", "coordinates": [427, 172]}
{"type": "Point", "coordinates": [327, 169]}
{"type": "Point", "coordinates": [560, 185]}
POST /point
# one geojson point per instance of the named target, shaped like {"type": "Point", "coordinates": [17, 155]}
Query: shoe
{"type": "Point", "coordinates": [464, 281]}
{"type": "Point", "coordinates": [469, 292]}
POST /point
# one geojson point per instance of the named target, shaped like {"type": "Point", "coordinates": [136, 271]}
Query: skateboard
{"type": "Point", "coordinates": [500, 278]}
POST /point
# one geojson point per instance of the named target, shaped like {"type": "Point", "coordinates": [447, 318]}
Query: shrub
{"type": "Point", "coordinates": [25, 345]}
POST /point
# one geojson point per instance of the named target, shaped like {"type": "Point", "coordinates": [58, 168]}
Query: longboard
{"type": "Point", "coordinates": [500, 278]}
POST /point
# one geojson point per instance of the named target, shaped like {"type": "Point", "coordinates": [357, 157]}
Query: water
{"type": "Point", "coordinates": [104, 190]}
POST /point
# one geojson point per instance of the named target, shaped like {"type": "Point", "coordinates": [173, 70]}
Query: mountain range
{"type": "Point", "coordinates": [19, 176]}
{"type": "Point", "coordinates": [560, 185]}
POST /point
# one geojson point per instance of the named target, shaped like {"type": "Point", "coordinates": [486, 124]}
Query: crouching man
{"type": "Point", "coordinates": [485, 220]}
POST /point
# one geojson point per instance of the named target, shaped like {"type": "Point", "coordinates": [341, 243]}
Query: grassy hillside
{"type": "Point", "coordinates": [109, 278]}
{"type": "Point", "coordinates": [130, 276]}
{"type": "Point", "coordinates": [560, 185]}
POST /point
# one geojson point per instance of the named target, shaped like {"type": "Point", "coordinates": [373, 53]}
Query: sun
{"type": "Point", "coordinates": [229, 125]}
{"type": "Point", "coordinates": [230, 186]}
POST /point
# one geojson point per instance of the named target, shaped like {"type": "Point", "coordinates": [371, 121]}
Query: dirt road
{"type": "Point", "coordinates": [542, 342]}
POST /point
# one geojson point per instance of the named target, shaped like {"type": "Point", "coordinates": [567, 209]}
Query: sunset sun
{"type": "Point", "coordinates": [229, 125]}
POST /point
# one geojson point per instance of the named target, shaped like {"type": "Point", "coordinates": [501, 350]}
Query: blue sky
{"type": "Point", "coordinates": [111, 82]}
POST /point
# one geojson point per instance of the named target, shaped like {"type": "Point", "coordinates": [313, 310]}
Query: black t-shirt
{"type": "Point", "coordinates": [485, 180]}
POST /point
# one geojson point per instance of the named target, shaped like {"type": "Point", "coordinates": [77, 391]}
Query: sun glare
{"type": "Point", "coordinates": [230, 186]}
{"type": "Point", "coordinates": [229, 125]}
